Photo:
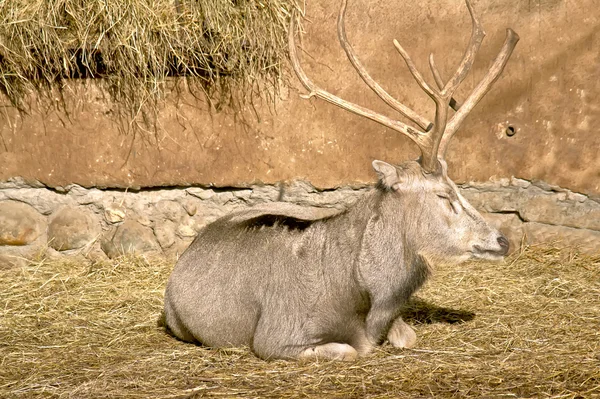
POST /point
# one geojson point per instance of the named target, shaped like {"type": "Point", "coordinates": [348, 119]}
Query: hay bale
{"type": "Point", "coordinates": [227, 49]}
{"type": "Point", "coordinates": [524, 328]}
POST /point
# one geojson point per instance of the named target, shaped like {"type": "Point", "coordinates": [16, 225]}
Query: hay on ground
{"type": "Point", "coordinates": [528, 327]}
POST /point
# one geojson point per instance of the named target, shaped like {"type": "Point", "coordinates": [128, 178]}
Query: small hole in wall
{"type": "Point", "coordinates": [510, 131]}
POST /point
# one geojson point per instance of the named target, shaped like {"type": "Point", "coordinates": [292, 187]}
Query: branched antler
{"type": "Point", "coordinates": [432, 139]}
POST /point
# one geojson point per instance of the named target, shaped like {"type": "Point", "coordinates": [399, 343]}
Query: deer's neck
{"type": "Point", "coordinates": [387, 250]}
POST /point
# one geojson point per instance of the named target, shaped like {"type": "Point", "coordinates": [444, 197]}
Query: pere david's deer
{"type": "Point", "coordinates": [291, 282]}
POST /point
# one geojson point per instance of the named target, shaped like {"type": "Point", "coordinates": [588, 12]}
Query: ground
{"type": "Point", "coordinates": [528, 327]}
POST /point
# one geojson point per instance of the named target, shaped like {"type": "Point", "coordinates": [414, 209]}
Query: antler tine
{"type": "Point", "coordinates": [435, 72]}
{"type": "Point", "coordinates": [482, 88]}
{"type": "Point", "coordinates": [422, 139]}
{"type": "Point", "coordinates": [477, 35]}
{"type": "Point", "coordinates": [455, 105]}
{"type": "Point", "coordinates": [388, 99]}
{"type": "Point", "coordinates": [415, 72]}
{"type": "Point", "coordinates": [429, 161]}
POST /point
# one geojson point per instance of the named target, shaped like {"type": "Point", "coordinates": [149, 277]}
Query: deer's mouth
{"type": "Point", "coordinates": [489, 254]}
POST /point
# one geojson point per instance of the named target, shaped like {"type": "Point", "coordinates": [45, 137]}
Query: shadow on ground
{"type": "Point", "coordinates": [419, 311]}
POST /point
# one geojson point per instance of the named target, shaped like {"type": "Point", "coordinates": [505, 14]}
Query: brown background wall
{"type": "Point", "coordinates": [549, 93]}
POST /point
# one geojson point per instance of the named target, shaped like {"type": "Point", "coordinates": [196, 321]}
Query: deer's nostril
{"type": "Point", "coordinates": [504, 244]}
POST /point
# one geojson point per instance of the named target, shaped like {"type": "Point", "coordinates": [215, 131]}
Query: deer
{"type": "Point", "coordinates": [293, 282]}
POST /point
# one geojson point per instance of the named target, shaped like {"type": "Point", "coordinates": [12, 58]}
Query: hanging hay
{"type": "Point", "coordinates": [230, 50]}
{"type": "Point", "coordinates": [528, 327]}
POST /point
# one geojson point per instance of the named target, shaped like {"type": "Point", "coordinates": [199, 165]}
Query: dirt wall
{"type": "Point", "coordinates": [548, 95]}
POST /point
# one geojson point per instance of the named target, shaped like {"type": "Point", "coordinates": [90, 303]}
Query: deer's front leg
{"type": "Point", "coordinates": [401, 335]}
{"type": "Point", "coordinates": [379, 319]}
{"type": "Point", "coordinates": [330, 351]}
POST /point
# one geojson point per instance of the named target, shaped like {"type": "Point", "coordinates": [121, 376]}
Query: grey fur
{"type": "Point", "coordinates": [294, 282]}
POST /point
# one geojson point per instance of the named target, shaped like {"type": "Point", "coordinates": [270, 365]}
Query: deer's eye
{"type": "Point", "coordinates": [454, 205]}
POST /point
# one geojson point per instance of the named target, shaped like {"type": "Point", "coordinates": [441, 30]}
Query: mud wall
{"type": "Point", "coordinates": [548, 94]}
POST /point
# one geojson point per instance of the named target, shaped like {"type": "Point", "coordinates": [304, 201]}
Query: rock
{"type": "Point", "coordinates": [549, 209]}
{"type": "Point", "coordinates": [302, 193]}
{"type": "Point", "coordinates": [264, 193]}
{"type": "Point", "coordinates": [342, 198]}
{"type": "Point", "coordinates": [141, 218]}
{"type": "Point", "coordinates": [225, 197]}
{"type": "Point", "coordinates": [20, 224]}
{"type": "Point", "coordinates": [11, 262]}
{"type": "Point", "coordinates": [129, 237]}
{"type": "Point", "coordinates": [190, 206]}
{"type": "Point", "coordinates": [83, 196]}
{"type": "Point", "coordinates": [169, 210]}
{"type": "Point", "coordinates": [72, 228]}
{"type": "Point", "coordinates": [507, 200]}
{"type": "Point", "coordinates": [165, 233]}
{"type": "Point", "coordinates": [19, 182]}
{"type": "Point", "coordinates": [94, 254]}
{"type": "Point", "coordinates": [187, 229]}
{"type": "Point", "coordinates": [200, 193]}
{"type": "Point", "coordinates": [587, 241]}
{"type": "Point", "coordinates": [571, 196]}
{"type": "Point", "coordinates": [519, 182]}
{"type": "Point", "coordinates": [297, 191]}
{"type": "Point", "coordinates": [209, 212]}
{"type": "Point", "coordinates": [43, 201]}
{"type": "Point", "coordinates": [546, 186]}
{"type": "Point", "coordinates": [114, 213]}
{"type": "Point", "coordinates": [243, 194]}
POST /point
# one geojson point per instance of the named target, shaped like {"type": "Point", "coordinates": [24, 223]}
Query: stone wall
{"type": "Point", "coordinates": [106, 223]}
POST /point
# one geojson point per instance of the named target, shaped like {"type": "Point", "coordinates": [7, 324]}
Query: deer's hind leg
{"type": "Point", "coordinates": [277, 344]}
{"type": "Point", "coordinates": [295, 342]}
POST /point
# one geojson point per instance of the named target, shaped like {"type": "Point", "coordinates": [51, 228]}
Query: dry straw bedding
{"type": "Point", "coordinates": [528, 327]}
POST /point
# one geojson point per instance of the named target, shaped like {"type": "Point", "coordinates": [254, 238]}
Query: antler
{"type": "Point", "coordinates": [419, 137]}
{"type": "Point", "coordinates": [389, 100]}
{"type": "Point", "coordinates": [431, 138]}
{"type": "Point", "coordinates": [482, 88]}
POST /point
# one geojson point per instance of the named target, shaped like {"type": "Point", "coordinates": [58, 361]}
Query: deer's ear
{"type": "Point", "coordinates": [388, 174]}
